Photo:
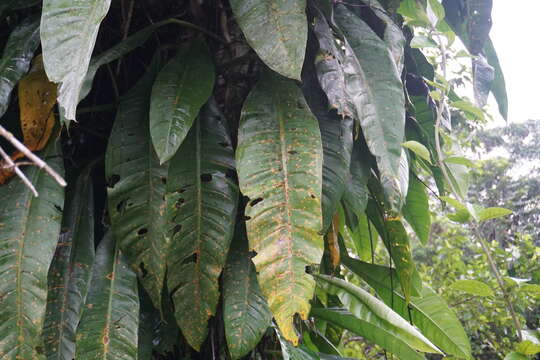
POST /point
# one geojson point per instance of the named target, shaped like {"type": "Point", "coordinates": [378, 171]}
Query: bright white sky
{"type": "Point", "coordinates": [515, 35]}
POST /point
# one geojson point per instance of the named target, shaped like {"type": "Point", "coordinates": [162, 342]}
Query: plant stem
{"type": "Point", "coordinates": [473, 223]}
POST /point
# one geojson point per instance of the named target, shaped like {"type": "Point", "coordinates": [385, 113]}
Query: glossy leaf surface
{"type": "Point", "coordinates": [110, 320]}
{"type": "Point", "coordinates": [70, 271]}
{"type": "Point", "coordinates": [29, 229]}
{"type": "Point", "coordinates": [367, 307]}
{"type": "Point", "coordinates": [416, 209]}
{"type": "Point", "coordinates": [377, 94]}
{"type": "Point", "coordinates": [16, 58]}
{"type": "Point", "coordinates": [201, 211]}
{"type": "Point", "coordinates": [279, 158]}
{"type": "Point", "coordinates": [181, 88]}
{"type": "Point", "coordinates": [136, 189]}
{"type": "Point", "coordinates": [276, 30]}
{"type": "Point", "coordinates": [245, 312]}
{"type": "Point", "coordinates": [68, 35]}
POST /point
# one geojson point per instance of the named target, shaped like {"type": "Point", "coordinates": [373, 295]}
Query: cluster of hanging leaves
{"type": "Point", "coordinates": [225, 170]}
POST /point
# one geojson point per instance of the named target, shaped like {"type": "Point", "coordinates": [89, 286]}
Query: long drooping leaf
{"type": "Point", "coordinates": [329, 67]}
{"type": "Point", "coordinates": [70, 271]}
{"type": "Point", "coordinates": [498, 86]}
{"type": "Point", "coordinates": [337, 141]}
{"type": "Point", "coordinates": [201, 211]}
{"type": "Point", "coordinates": [245, 312]}
{"type": "Point", "coordinates": [280, 169]}
{"type": "Point", "coordinates": [180, 90]}
{"type": "Point", "coordinates": [396, 240]}
{"type": "Point", "coordinates": [276, 30]}
{"type": "Point", "coordinates": [68, 35]}
{"type": "Point", "coordinates": [377, 94]}
{"type": "Point", "coordinates": [393, 35]}
{"type": "Point", "coordinates": [356, 191]}
{"type": "Point", "coordinates": [110, 321]}
{"type": "Point", "coordinates": [16, 58]}
{"type": "Point", "coordinates": [416, 209]}
{"type": "Point", "coordinates": [427, 311]}
{"type": "Point", "coordinates": [136, 189]}
{"type": "Point", "coordinates": [29, 229]}
{"type": "Point", "coordinates": [366, 307]}
{"type": "Point", "coordinates": [369, 331]}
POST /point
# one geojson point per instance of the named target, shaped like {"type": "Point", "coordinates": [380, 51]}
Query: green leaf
{"type": "Point", "coordinates": [16, 58]}
{"type": "Point", "coordinates": [279, 158]}
{"type": "Point", "coordinates": [515, 356]}
{"type": "Point", "coordinates": [110, 320]}
{"type": "Point", "coordinates": [472, 287]}
{"type": "Point", "coordinates": [329, 69]}
{"type": "Point", "coordinates": [369, 330]}
{"type": "Point", "coordinates": [471, 112]}
{"type": "Point", "coordinates": [337, 142]}
{"type": "Point", "coordinates": [531, 289]}
{"type": "Point", "coordinates": [418, 149]}
{"type": "Point", "coordinates": [290, 352]}
{"type": "Point", "coordinates": [180, 90]}
{"type": "Point", "coordinates": [356, 191]}
{"type": "Point", "coordinates": [416, 209]}
{"type": "Point", "coordinates": [459, 160]}
{"type": "Point", "coordinates": [377, 93]}
{"type": "Point", "coordinates": [29, 229]}
{"type": "Point", "coordinates": [367, 307]}
{"type": "Point", "coordinates": [492, 213]}
{"type": "Point", "coordinates": [420, 41]}
{"type": "Point", "coordinates": [201, 208]}
{"type": "Point", "coordinates": [136, 189]}
{"type": "Point", "coordinates": [276, 30]}
{"type": "Point", "coordinates": [245, 312]}
{"type": "Point", "coordinates": [531, 342]}
{"type": "Point", "coordinates": [498, 86]}
{"type": "Point", "coordinates": [393, 34]}
{"type": "Point", "coordinates": [427, 311]}
{"type": "Point", "coordinates": [70, 271]}
{"type": "Point", "coordinates": [396, 240]}
{"type": "Point", "coordinates": [68, 35]}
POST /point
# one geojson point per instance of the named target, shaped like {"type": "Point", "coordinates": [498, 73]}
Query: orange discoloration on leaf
{"type": "Point", "coordinates": [37, 98]}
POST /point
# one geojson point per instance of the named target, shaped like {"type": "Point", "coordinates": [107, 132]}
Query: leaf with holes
{"type": "Point", "coordinates": [276, 30]}
{"type": "Point", "coordinates": [110, 320]}
{"type": "Point", "coordinates": [279, 159]}
{"type": "Point", "coordinates": [202, 198]}
{"type": "Point", "coordinates": [245, 312]}
{"type": "Point", "coordinates": [182, 87]}
{"type": "Point", "coordinates": [29, 229]}
{"type": "Point", "coordinates": [16, 58]}
{"type": "Point", "coordinates": [368, 308]}
{"type": "Point", "coordinates": [68, 35]}
{"type": "Point", "coordinates": [70, 271]}
{"type": "Point", "coordinates": [136, 187]}
{"type": "Point", "coordinates": [379, 103]}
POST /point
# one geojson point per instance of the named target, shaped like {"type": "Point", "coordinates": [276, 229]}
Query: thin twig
{"type": "Point", "coordinates": [126, 31]}
{"type": "Point", "coordinates": [474, 224]}
{"type": "Point", "coordinates": [31, 156]}
{"type": "Point", "coordinates": [18, 171]}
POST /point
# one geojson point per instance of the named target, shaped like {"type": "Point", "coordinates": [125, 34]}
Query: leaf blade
{"type": "Point", "coordinates": [287, 177]}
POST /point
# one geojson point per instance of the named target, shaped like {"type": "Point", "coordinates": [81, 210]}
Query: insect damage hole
{"type": "Point", "coordinates": [113, 180]}
{"type": "Point", "coordinates": [255, 201]}
{"type": "Point", "coordinates": [144, 272]}
{"type": "Point", "coordinates": [176, 229]}
{"type": "Point", "coordinates": [179, 203]}
{"type": "Point", "coordinates": [142, 231]}
{"type": "Point", "coordinates": [206, 177]}
{"type": "Point", "coordinates": [190, 259]}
